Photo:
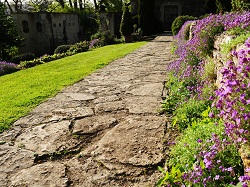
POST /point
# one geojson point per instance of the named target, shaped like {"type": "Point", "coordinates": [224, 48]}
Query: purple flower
{"type": "Point", "coordinates": [199, 141]}
{"type": "Point", "coordinates": [217, 177]}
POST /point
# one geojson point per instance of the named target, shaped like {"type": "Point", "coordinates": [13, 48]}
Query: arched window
{"type": "Point", "coordinates": [39, 27]}
{"type": "Point", "coordinates": [25, 25]}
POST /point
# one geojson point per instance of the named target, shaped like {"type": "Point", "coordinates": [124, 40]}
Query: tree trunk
{"type": "Point", "coordinates": [11, 11]}
{"type": "Point", "coordinates": [84, 3]}
{"type": "Point", "coordinates": [80, 4]}
{"type": "Point", "coordinates": [70, 4]}
{"type": "Point", "coordinates": [96, 5]}
{"type": "Point", "coordinates": [61, 2]}
{"type": "Point", "coordinates": [75, 4]}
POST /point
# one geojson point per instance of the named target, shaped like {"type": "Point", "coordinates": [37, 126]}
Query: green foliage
{"type": "Point", "coordinates": [240, 39]}
{"type": "Point", "coordinates": [43, 59]}
{"type": "Point", "coordinates": [8, 34]}
{"type": "Point", "coordinates": [192, 59]}
{"type": "Point", "coordinates": [208, 90]}
{"type": "Point", "coordinates": [178, 22]}
{"type": "Point", "coordinates": [79, 47]}
{"type": "Point", "coordinates": [209, 37]}
{"type": "Point", "coordinates": [238, 31]}
{"type": "Point", "coordinates": [189, 112]}
{"type": "Point", "coordinates": [170, 177]}
{"type": "Point", "coordinates": [62, 49]}
{"type": "Point", "coordinates": [23, 57]}
{"type": "Point", "coordinates": [32, 86]}
{"type": "Point", "coordinates": [106, 38]}
{"type": "Point", "coordinates": [223, 6]}
{"type": "Point", "coordinates": [176, 94]}
{"type": "Point", "coordinates": [126, 27]}
{"type": "Point", "coordinates": [187, 32]}
{"type": "Point", "coordinates": [88, 21]}
{"type": "Point", "coordinates": [240, 5]}
{"type": "Point", "coordinates": [209, 70]}
{"type": "Point", "coordinates": [173, 48]}
{"type": "Point", "coordinates": [187, 146]}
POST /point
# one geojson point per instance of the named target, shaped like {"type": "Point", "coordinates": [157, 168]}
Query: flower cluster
{"type": "Point", "coordinates": [7, 67]}
{"type": "Point", "coordinates": [198, 43]}
{"type": "Point", "coordinates": [230, 101]}
{"type": "Point", "coordinates": [94, 43]}
{"type": "Point", "coordinates": [232, 96]}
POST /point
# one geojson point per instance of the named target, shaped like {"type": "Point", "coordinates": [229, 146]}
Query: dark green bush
{"type": "Point", "coordinates": [31, 63]}
{"type": "Point", "coordinates": [9, 37]}
{"type": "Point", "coordinates": [79, 47]}
{"type": "Point", "coordinates": [223, 6]}
{"type": "Point", "coordinates": [23, 57]}
{"type": "Point", "coordinates": [240, 5]}
{"type": "Point", "coordinates": [62, 49]}
{"type": "Point", "coordinates": [76, 48]}
{"type": "Point", "coordinates": [43, 59]}
{"type": "Point", "coordinates": [178, 22]}
{"type": "Point", "coordinates": [126, 27]}
{"type": "Point", "coordinates": [105, 38]}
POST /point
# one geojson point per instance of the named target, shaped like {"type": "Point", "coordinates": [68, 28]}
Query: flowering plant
{"type": "Point", "coordinates": [215, 160]}
{"type": "Point", "coordinates": [7, 67]}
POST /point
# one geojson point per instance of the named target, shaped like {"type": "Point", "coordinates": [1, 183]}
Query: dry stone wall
{"type": "Point", "coordinates": [220, 60]}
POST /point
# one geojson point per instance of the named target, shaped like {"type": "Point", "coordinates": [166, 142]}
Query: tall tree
{"type": "Point", "coordinates": [8, 33]}
{"type": "Point", "coordinates": [8, 4]}
{"type": "Point", "coordinates": [61, 2]}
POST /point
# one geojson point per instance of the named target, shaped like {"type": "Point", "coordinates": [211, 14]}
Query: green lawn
{"type": "Point", "coordinates": [25, 89]}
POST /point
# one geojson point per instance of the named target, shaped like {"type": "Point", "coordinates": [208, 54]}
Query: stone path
{"type": "Point", "coordinates": [105, 130]}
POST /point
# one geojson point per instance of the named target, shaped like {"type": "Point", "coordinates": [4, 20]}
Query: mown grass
{"type": "Point", "coordinates": [25, 89]}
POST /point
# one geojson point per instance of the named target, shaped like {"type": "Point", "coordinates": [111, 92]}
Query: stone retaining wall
{"type": "Point", "coordinates": [220, 60]}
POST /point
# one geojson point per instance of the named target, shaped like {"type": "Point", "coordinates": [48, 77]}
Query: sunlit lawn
{"type": "Point", "coordinates": [23, 90]}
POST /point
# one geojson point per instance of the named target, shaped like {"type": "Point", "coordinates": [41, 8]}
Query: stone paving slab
{"type": "Point", "coordinates": [105, 130]}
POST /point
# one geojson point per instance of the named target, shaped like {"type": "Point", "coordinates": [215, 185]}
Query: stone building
{"type": "Point", "coordinates": [43, 32]}
{"type": "Point", "coordinates": [159, 14]}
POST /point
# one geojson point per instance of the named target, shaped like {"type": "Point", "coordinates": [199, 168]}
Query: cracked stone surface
{"type": "Point", "coordinates": [105, 130]}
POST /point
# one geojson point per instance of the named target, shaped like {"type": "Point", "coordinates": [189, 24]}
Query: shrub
{"type": "Point", "coordinates": [105, 38]}
{"type": "Point", "coordinates": [240, 5]}
{"type": "Point", "coordinates": [8, 33]}
{"type": "Point", "coordinates": [43, 59]}
{"type": "Point", "coordinates": [23, 57]}
{"type": "Point", "coordinates": [7, 67]}
{"type": "Point", "coordinates": [31, 63]}
{"type": "Point", "coordinates": [94, 43]}
{"type": "Point", "coordinates": [178, 22]}
{"type": "Point", "coordinates": [223, 6]}
{"type": "Point", "coordinates": [62, 49]}
{"type": "Point", "coordinates": [79, 47]}
{"type": "Point", "coordinates": [126, 27]}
